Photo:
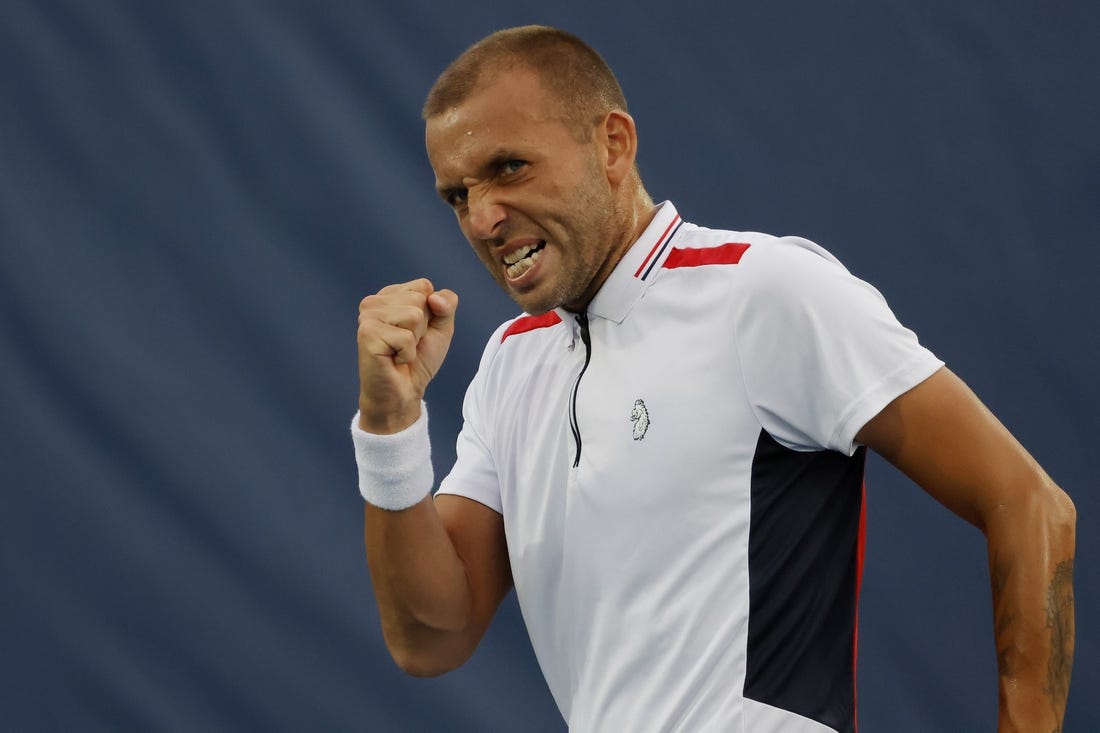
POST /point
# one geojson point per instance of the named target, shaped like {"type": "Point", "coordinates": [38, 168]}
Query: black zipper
{"type": "Point", "coordinates": [582, 321]}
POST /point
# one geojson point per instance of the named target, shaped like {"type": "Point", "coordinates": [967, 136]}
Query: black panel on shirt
{"type": "Point", "coordinates": [803, 543]}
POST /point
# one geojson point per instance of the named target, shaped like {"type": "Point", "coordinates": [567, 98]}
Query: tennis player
{"type": "Point", "coordinates": [664, 454]}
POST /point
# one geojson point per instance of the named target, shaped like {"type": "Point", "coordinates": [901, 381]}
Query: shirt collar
{"type": "Point", "coordinates": [636, 270]}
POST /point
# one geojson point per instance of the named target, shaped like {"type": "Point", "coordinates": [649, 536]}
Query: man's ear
{"type": "Point", "coordinates": [620, 139]}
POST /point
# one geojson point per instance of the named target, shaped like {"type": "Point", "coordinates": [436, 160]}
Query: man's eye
{"type": "Point", "coordinates": [512, 166]}
{"type": "Point", "coordinates": [456, 197]}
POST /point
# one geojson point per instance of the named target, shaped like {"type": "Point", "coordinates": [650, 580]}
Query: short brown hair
{"type": "Point", "coordinates": [569, 69]}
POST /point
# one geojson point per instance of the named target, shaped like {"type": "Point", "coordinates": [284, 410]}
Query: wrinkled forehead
{"type": "Point", "coordinates": [511, 111]}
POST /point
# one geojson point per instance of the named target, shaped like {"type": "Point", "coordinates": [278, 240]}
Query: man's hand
{"type": "Point", "coordinates": [404, 333]}
{"type": "Point", "coordinates": [439, 567]}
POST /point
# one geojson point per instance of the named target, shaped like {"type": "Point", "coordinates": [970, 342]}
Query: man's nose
{"type": "Point", "coordinates": [486, 214]}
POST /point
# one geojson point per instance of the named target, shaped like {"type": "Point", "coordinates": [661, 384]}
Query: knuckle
{"type": "Point", "coordinates": [367, 317]}
{"type": "Point", "coordinates": [405, 343]}
{"type": "Point", "coordinates": [406, 337]}
{"type": "Point", "coordinates": [373, 303]}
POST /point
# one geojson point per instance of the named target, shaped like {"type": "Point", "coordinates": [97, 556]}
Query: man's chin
{"type": "Point", "coordinates": [537, 308]}
{"type": "Point", "coordinates": [534, 303]}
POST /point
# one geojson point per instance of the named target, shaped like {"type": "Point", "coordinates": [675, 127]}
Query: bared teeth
{"type": "Point", "coordinates": [513, 257]}
{"type": "Point", "coordinates": [522, 260]}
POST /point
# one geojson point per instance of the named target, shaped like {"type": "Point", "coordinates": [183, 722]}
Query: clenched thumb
{"type": "Point", "coordinates": [443, 304]}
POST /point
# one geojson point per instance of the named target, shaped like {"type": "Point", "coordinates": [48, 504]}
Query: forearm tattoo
{"type": "Point", "coordinates": [1060, 623]}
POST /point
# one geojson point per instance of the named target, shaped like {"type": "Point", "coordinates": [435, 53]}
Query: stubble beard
{"type": "Point", "coordinates": [590, 226]}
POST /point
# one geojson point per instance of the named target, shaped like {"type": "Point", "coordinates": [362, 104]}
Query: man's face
{"type": "Point", "coordinates": [532, 200]}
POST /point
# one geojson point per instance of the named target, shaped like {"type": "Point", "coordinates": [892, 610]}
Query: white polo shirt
{"type": "Point", "coordinates": [682, 495]}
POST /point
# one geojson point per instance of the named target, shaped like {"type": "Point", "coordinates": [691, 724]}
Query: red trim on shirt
{"type": "Point", "coordinates": [724, 254]}
{"type": "Point", "coordinates": [531, 323]}
{"type": "Point", "coordinates": [860, 545]}
{"type": "Point", "coordinates": [660, 241]}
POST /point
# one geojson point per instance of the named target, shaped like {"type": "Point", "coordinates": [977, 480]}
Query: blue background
{"type": "Point", "coordinates": [194, 196]}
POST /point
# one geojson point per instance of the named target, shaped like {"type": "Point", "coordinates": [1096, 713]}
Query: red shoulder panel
{"type": "Point", "coordinates": [531, 323]}
{"type": "Point", "coordinates": [724, 254]}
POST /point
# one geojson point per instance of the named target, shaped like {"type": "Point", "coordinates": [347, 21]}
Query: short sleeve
{"type": "Point", "coordinates": [820, 350]}
{"type": "Point", "coordinates": [474, 473]}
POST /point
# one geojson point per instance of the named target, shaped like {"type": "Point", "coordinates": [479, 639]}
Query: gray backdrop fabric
{"type": "Point", "coordinates": [195, 196]}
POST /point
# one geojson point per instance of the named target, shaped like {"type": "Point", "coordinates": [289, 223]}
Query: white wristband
{"type": "Point", "coordinates": [395, 471]}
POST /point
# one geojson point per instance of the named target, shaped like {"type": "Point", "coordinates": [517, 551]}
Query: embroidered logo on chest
{"type": "Point", "coordinates": [640, 417]}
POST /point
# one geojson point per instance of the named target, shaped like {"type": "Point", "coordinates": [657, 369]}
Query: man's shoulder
{"type": "Point", "coordinates": [526, 323]}
{"type": "Point", "coordinates": [748, 256]}
{"type": "Point", "coordinates": [766, 245]}
{"type": "Point", "coordinates": [525, 333]}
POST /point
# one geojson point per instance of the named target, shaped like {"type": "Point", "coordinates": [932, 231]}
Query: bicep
{"type": "Point", "coordinates": [942, 436]}
{"type": "Point", "coordinates": [477, 533]}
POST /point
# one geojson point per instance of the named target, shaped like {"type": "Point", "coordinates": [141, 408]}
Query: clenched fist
{"type": "Point", "coordinates": [404, 333]}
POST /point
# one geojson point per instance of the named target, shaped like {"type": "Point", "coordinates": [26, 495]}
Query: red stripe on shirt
{"type": "Point", "coordinates": [860, 548]}
{"type": "Point", "coordinates": [531, 323]}
{"type": "Point", "coordinates": [724, 254]}
{"type": "Point", "coordinates": [657, 246]}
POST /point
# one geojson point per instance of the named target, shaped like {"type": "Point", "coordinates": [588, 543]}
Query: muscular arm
{"type": "Point", "coordinates": [439, 568]}
{"type": "Point", "coordinates": [941, 436]}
